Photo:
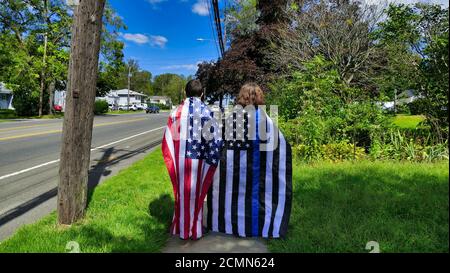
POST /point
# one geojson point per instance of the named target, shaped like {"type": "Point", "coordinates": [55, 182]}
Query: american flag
{"type": "Point", "coordinates": [191, 149]}
{"type": "Point", "coordinates": [251, 194]}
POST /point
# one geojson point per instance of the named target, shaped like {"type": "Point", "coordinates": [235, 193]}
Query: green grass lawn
{"type": "Point", "coordinates": [124, 112]}
{"type": "Point", "coordinates": [341, 207]}
{"type": "Point", "coordinates": [130, 212]}
{"type": "Point", "coordinates": [336, 208]}
{"type": "Point", "coordinates": [408, 121]}
{"type": "Point", "coordinates": [6, 115]}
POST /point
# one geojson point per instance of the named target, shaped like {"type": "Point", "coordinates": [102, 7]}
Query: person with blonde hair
{"type": "Point", "coordinates": [251, 195]}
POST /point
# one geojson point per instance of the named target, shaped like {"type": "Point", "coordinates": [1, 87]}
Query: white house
{"type": "Point", "coordinates": [160, 100]}
{"type": "Point", "coordinates": [59, 98]}
{"type": "Point", "coordinates": [6, 97]}
{"type": "Point", "coordinates": [403, 98]}
{"type": "Point", "coordinates": [120, 97]}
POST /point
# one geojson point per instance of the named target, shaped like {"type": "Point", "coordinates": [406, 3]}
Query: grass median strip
{"type": "Point", "coordinates": [130, 212]}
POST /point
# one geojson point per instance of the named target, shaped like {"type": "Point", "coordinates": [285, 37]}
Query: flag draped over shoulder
{"type": "Point", "coordinates": [191, 151]}
{"type": "Point", "coordinates": [251, 194]}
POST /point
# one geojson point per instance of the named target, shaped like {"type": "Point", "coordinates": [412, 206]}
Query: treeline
{"type": "Point", "coordinates": [34, 54]}
{"type": "Point", "coordinates": [330, 64]}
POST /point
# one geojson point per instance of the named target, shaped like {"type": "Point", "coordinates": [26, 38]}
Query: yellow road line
{"type": "Point", "coordinates": [21, 127]}
{"type": "Point", "coordinates": [59, 131]}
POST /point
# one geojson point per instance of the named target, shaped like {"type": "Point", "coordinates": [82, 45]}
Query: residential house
{"type": "Point", "coordinates": [6, 97]}
{"type": "Point", "coordinates": [160, 100]}
{"type": "Point", "coordinates": [59, 98]}
{"type": "Point", "coordinates": [120, 97]}
{"type": "Point", "coordinates": [403, 98]}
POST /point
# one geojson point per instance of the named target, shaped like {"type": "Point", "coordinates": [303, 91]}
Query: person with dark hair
{"type": "Point", "coordinates": [194, 89]}
{"type": "Point", "coordinates": [191, 153]}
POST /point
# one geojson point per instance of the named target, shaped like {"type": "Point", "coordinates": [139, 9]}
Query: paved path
{"type": "Point", "coordinates": [29, 157]}
{"type": "Point", "coordinates": [216, 243]}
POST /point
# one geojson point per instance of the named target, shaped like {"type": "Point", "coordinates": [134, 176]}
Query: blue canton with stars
{"type": "Point", "coordinates": [240, 131]}
{"type": "Point", "coordinates": [197, 146]}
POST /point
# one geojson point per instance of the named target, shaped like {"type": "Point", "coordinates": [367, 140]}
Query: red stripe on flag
{"type": "Point", "coordinates": [187, 197]}
{"type": "Point", "coordinates": [173, 177]}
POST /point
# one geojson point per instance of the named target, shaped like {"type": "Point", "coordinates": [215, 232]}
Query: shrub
{"type": "Point", "coordinates": [341, 151]}
{"type": "Point", "coordinates": [398, 145]}
{"type": "Point", "coordinates": [332, 152]}
{"type": "Point", "coordinates": [101, 107]}
{"type": "Point", "coordinates": [418, 107]}
{"type": "Point", "coordinates": [163, 106]}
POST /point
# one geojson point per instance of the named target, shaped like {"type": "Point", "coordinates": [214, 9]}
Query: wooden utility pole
{"type": "Point", "coordinates": [129, 86]}
{"type": "Point", "coordinates": [79, 114]}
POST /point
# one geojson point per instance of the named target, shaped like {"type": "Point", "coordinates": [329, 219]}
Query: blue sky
{"type": "Point", "coordinates": [163, 34]}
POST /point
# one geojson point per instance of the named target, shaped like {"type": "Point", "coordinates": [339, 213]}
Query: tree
{"type": "Point", "coordinates": [421, 32]}
{"type": "Point", "coordinates": [79, 115]}
{"type": "Point", "coordinates": [141, 80]}
{"type": "Point", "coordinates": [241, 17]}
{"type": "Point", "coordinates": [340, 31]}
{"type": "Point", "coordinates": [39, 31]}
{"type": "Point", "coordinates": [248, 23]}
{"type": "Point", "coordinates": [112, 65]}
{"type": "Point", "coordinates": [170, 85]}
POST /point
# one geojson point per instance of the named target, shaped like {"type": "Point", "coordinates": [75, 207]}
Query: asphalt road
{"type": "Point", "coordinates": [29, 160]}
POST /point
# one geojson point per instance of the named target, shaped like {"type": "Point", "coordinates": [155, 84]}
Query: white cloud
{"type": "Point", "coordinates": [201, 8]}
{"type": "Point", "coordinates": [159, 41]}
{"type": "Point", "coordinates": [154, 2]}
{"type": "Point", "coordinates": [138, 38]}
{"type": "Point", "coordinates": [191, 67]}
{"type": "Point", "coordinates": [135, 38]}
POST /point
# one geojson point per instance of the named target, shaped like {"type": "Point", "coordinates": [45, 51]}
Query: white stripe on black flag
{"type": "Point", "coordinates": [251, 194]}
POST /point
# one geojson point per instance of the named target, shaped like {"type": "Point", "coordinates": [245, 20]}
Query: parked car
{"type": "Point", "coordinates": [152, 109]}
{"type": "Point", "coordinates": [113, 107]}
{"type": "Point", "coordinates": [140, 107]}
{"type": "Point", "coordinates": [57, 108]}
{"type": "Point", "coordinates": [125, 108]}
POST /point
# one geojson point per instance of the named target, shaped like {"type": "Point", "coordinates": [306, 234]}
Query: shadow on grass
{"type": "Point", "coordinates": [96, 172]}
{"type": "Point", "coordinates": [162, 209]}
{"type": "Point", "coordinates": [111, 157]}
{"type": "Point", "coordinates": [149, 233]}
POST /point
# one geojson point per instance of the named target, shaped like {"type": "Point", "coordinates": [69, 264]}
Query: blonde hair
{"type": "Point", "coordinates": [250, 94]}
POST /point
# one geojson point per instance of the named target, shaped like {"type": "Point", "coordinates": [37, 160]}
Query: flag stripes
{"type": "Point", "coordinates": [191, 161]}
{"type": "Point", "coordinates": [251, 193]}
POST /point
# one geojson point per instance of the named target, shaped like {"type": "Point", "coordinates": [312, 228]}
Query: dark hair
{"type": "Point", "coordinates": [194, 88]}
{"type": "Point", "coordinates": [251, 94]}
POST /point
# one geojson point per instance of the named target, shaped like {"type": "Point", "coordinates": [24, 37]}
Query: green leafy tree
{"type": "Point", "coordinates": [140, 81]}
{"type": "Point", "coordinates": [34, 51]}
{"type": "Point", "coordinates": [170, 85]}
{"type": "Point", "coordinates": [420, 31]}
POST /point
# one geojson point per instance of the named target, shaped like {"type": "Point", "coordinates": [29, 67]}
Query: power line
{"type": "Point", "coordinates": [218, 26]}
{"type": "Point", "coordinates": [213, 34]}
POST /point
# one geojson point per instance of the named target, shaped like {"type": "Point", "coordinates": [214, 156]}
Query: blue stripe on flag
{"type": "Point", "coordinates": [255, 186]}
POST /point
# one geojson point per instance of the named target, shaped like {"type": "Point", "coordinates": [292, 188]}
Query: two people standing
{"type": "Point", "coordinates": [241, 162]}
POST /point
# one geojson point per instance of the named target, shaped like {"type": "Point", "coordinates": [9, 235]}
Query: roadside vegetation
{"type": "Point", "coordinates": [6, 115]}
{"type": "Point", "coordinates": [130, 212]}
